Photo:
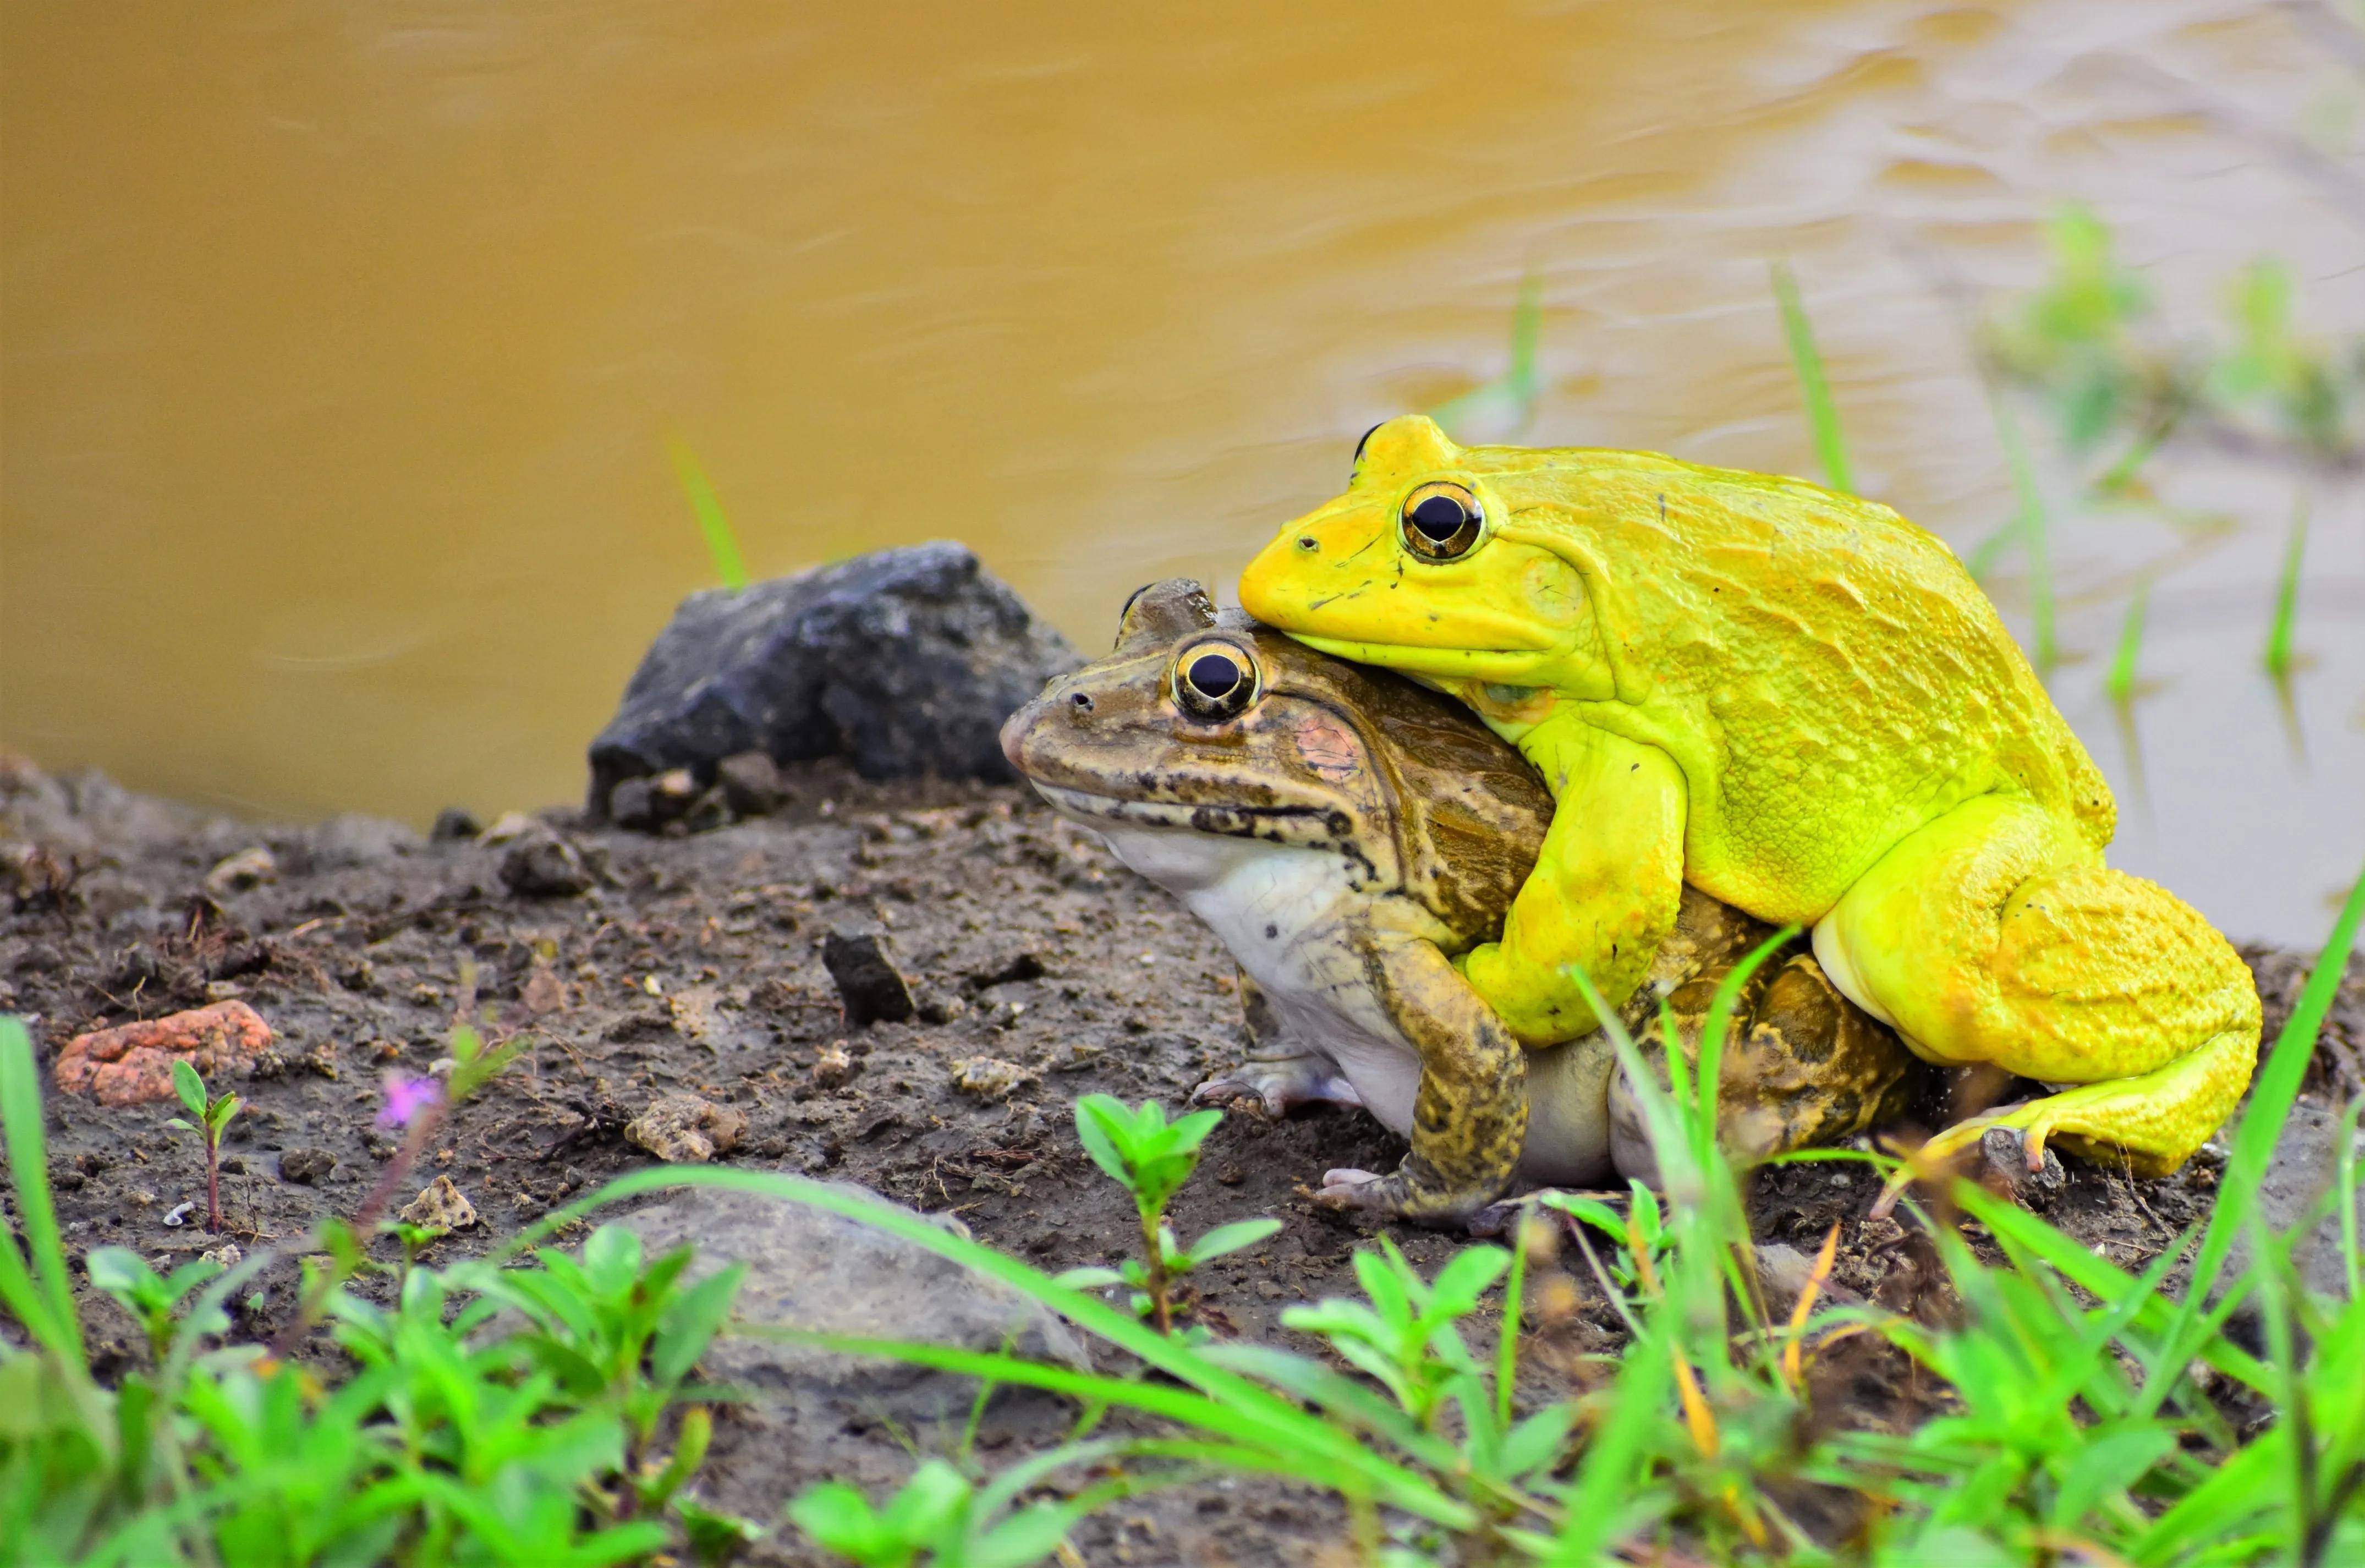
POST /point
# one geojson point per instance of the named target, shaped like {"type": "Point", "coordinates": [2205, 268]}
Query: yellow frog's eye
{"type": "Point", "coordinates": [1215, 680]}
{"type": "Point", "coordinates": [1441, 523]}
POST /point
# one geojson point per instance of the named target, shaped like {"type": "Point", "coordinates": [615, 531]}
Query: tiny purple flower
{"type": "Point", "coordinates": [406, 1098]}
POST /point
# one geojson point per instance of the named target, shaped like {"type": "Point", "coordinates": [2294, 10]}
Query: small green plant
{"type": "Point", "coordinates": [1511, 397]}
{"type": "Point", "coordinates": [730, 569]}
{"type": "Point", "coordinates": [2121, 681]}
{"type": "Point", "coordinates": [936, 1512]}
{"type": "Point", "coordinates": [2286, 618]}
{"type": "Point", "coordinates": [1151, 1158]}
{"type": "Point", "coordinates": [213, 1117]}
{"type": "Point", "coordinates": [1640, 1233]}
{"type": "Point", "coordinates": [154, 1301]}
{"type": "Point", "coordinates": [1814, 385]}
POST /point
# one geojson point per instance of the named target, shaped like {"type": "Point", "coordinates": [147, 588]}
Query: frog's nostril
{"type": "Point", "coordinates": [1080, 702]}
{"type": "Point", "coordinates": [1307, 542]}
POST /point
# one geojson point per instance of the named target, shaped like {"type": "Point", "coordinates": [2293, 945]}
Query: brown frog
{"type": "Point", "coordinates": [1345, 834]}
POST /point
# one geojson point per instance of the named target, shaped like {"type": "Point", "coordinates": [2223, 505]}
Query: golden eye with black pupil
{"type": "Point", "coordinates": [1441, 523]}
{"type": "Point", "coordinates": [1214, 680]}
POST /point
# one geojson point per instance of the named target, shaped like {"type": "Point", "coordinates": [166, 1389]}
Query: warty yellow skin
{"type": "Point", "coordinates": [1801, 704]}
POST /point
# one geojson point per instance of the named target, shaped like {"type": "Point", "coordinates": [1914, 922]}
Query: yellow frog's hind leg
{"type": "Point", "coordinates": [1996, 934]}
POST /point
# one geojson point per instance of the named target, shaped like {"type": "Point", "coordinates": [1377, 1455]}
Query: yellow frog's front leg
{"type": "Point", "coordinates": [1605, 890]}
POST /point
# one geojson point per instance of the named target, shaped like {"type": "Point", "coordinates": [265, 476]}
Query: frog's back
{"type": "Point", "coordinates": [1827, 675]}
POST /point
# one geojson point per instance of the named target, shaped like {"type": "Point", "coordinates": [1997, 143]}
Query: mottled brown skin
{"type": "Point", "coordinates": [1427, 826]}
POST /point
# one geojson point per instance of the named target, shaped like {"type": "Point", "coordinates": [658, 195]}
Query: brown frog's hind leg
{"type": "Point", "coordinates": [1802, 1066]}
{"type": "Point", "coordinates": [1469, 1113]}
{"type": "Point", "coordinates": [1278, 1072]}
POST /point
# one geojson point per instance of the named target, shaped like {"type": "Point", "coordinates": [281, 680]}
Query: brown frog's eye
{"type": "Point", "coordinates": [1214, 681]}
{"type": "Point", "coordinates": [1441, 523]}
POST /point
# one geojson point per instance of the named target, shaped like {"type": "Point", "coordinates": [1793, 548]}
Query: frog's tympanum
{"type": "Point", "coordinates": [1798, 702]}
{"type": "Point", "coordinates": [1345, 834]}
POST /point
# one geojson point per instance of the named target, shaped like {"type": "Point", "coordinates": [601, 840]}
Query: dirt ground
{"type": "Point", "coordinates": [693, 963]}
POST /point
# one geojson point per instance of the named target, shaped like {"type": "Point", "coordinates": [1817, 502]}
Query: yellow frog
{"type": "Point", "coordinates": [1802, 705]}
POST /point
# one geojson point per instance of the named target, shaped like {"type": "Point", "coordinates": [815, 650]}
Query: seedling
{"type": "Point", "coordinates": [2122, 681]}
{"type": "Point", "coordinates": [930, 1514]}
{"type": "Point", "coordinates": [2279, 635]}
{"type": "Point", "coordinates": [213, 1115]}
{"type": "Point", "coordinates": [1512, 395]}
{"type": "Point", "coordinates": [1640, 1233]}
{"type": "Point", "coordinates": [154, 1301]}
{"type": "Point", "coordinates": [720, 542]}
{"type": "Point", "coordinates": [1151, 1158]}
{"type": "Point", "coordinates": [1814, 386]}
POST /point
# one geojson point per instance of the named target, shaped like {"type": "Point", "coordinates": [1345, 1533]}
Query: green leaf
{"type": "Point", "coordinates": [1228, 1238]}
{"type": "Point", "coordinates": [1091, 1277]}
{"type": "Point", "coordinates": [1814, 386]}
{"type": "Point", "coordinates": [121, 1273]}
{"type": "Point", "coordinates": [690, 1323]}
{"type": "Point", "coordinates": [1027, 1536]}
{"type": "Point", "coordinates": [189, 1087]}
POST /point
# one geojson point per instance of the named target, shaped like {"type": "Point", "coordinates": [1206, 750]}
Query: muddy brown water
{"type": "Point", "coordinates": [340, 345]}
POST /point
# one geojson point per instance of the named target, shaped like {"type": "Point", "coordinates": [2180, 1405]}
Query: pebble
{"type": "Point", "coordinates": [989, 1077]}
{"type": "Point", "coordinates": [751, 783]}
{"type": "Point", "coordinates": [507, 826]}
{"type": "Point", "coordinates": [441, 1205]}
{"type": "Point", "coordinates": [247, 869]}
{"type": "Point", "coordinates": [543, 865]}
{"type": "Point", "coordinates": [453, 823]}
{"type": "Point", "coordinates": [2004, 1170]}
{"type": "Point", "coordinates": [306, 1166]}
{"type": "Point", "coordinates": [869, 985]}
{"type": "Point", "coordinates": [834, 1066]}
{"type": "Point", "coordinates": [683, 1129]}
{"type": "Point", "coordinates": [131, 1064]}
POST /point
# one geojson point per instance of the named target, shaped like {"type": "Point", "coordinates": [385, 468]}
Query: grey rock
{"type": "Point", "coordinates": [2299, 1177]}
{"type": "Point", "coordinates": [905, 662]}
{"type": "Point", "coordinates": [354, 839]}
{"type": "Point", "coordinates": [710, 811]}
{"type": "Point", "coordinates": [2004, 1170]}
{"type": "Point", "coordinates": [811, 1269]}
{"type": "Point", "coordinates": [869, 985]}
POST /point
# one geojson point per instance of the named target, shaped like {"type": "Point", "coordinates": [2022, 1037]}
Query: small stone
{"type": "Point", "coordinates": [543, 993]}
{"type": "Point", "coordinates": [939, 1007]}
{"type": "Point", "coordinates": [989, 1077]}
{"type": "Point", "coordinates": [751, 783]}
{"type": "Point", "coordinates": [684, 1129]}
{"type": "Point", "coordinates": [671, 792]}
{"type": "Point", "coordinates": [711, 811]}
{"type": "Point", "coordinates": [440, 1206]}
{"type": "Point", "coordinates": [834, 1067]}
{"type": "Point", "coordinates": [229, 1254]}
{"type": "Point", "coordinates": [132, 1063]}
{"type": "Point", "coordinates": [2004, 1170]}
{"type": "Point", "coordinates": [509, 825]}
{"type": "Point", "coordinates": [454, 824]}
{"type": "Point", "coordinates": [306, 1166]}
{"type": "Point", "coordinates": [543, 865]}
{"type": "Point", "coordinates": [247, 869]}
{"type": "Point", "coordinates": [869, 985]}
{"type": "Point", "coordinates": [321, 1061]}
{"type": "Point", "coordinates": [630, 804]}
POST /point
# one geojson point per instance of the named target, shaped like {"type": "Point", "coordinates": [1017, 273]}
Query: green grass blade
{"type": "Point", "coordinates": [36, 1287]}
{"type": "Point", "coordinates": [1514, 392]}
{"type": "Point", "coordinates": [2279, 635]}
{"type": "Point", "coordinates": [720, 542]}
{"type": "Point", "coordinates": [2122, 679]}
{"type": "Point", "coordinates": [1822, 413]}
{"type": "Point", "coordinates": [2272, 1091]}
{"type": "Point", "coordinates": [1285, 1421]}
{"type": "Point", "coordinates": [2035, 528]}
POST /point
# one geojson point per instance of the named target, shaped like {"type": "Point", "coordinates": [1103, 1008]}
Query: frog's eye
{"type": "Point", "coordinates": [1441, 523]}
{"type": "Point", "coordinates": [1215, 680]}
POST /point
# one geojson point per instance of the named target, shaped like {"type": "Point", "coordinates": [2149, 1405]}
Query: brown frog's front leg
{"type": "Point", "coordinates": [1802, 1066]}
{"type": "Point", "coordinates": [1278, 1072]}
{"type": "Point", "coordinates": [1469, 1113]}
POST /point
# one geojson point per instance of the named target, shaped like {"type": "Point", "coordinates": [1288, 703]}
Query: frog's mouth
{"type": "Point", "coordinates": [1281, 823]}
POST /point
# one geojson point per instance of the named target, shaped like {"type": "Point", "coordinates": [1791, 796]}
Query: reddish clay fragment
{"type": "Point", "coordinates": [132, 1063]}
